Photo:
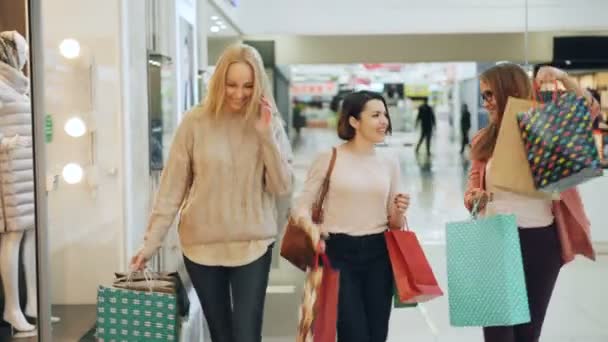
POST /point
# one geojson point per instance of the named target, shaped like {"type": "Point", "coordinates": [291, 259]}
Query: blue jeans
{"type": "Point", "coordinates": [245, 285]}
{"type": "Point", "coordinates": [366, 286]}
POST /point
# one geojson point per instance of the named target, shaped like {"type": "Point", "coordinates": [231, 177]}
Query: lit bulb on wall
{"type": "Point", "coordinates": [72, 173]}
{"type": "Point", "coordinates": [214, 29]}
{"type": "Point", "coordinates": [75, 127]}
{"type": "Point", "coordinates": [69, 48]}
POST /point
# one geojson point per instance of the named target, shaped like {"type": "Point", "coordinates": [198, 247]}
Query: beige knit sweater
{"type": "Point", "coordinates": [224, 176]}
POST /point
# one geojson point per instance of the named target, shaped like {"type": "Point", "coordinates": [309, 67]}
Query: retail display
{"type": "Point", "coordinates": [16, 182]}
{"type": "Point", "coordinates": [559, 143]}
{"type": "Point", "coordinates": [601, 140]}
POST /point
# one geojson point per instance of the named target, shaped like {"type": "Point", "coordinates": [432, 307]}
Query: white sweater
{"type": "Point", "coordinates": [16, 154]}
{"type": "Point", "coordinates": [361, 192]}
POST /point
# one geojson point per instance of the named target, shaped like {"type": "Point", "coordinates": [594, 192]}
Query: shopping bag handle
{"type": "Point", "coordinates": [321, 256]}
{"type": "Point", "coordinates": [475, 210]}
{"type": "Point", "coordinates": [406, 226]}
{"type": "Point", "coordinates": [536, 88]}
{"type": "Point", "coordinates": [147, 277]}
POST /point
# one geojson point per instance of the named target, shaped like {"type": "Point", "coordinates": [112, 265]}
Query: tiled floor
{"type": "Point", "coordinates": [436, 186]}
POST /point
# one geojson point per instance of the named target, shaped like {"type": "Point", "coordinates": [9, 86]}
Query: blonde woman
{"type": "Point", "coordinates": [229, 160]}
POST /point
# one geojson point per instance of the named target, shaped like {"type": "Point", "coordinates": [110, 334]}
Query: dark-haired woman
{"type": "Point", "coordinates": [364, 200]}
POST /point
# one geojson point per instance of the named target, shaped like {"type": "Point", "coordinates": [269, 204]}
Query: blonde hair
{"type": "Point", "coordinates": [238, 53]}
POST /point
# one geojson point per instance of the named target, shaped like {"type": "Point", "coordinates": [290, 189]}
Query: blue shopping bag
{"type": "Point", "coordinates": [486, 281]}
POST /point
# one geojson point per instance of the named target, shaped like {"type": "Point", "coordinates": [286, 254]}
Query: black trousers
{"type": "Point", "coordinates": [425, 135]}
{"type": "Point", "coordinates": [232, 298]}
{"type": "Point", "coordinates": [465, 140]}
{"type": "Point", "coordinates": [541, 252]}
{"type": "Point", "coordinates": [366, 286]}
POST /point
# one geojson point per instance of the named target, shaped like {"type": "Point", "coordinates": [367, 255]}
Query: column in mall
{"type": "Point", "coordinates": [17, 180]}
{"type": "Point", "coordinates": [280, 88]}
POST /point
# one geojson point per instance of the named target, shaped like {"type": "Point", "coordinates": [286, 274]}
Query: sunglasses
{"type": "Point", "coordinates": [487, 96]}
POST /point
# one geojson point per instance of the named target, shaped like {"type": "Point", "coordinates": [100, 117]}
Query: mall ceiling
{"type": "Point", "coordinates": [356, 17]}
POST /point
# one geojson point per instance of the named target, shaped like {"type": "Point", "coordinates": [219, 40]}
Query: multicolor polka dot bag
{"type": "Point", "coordinates": [558, 139]}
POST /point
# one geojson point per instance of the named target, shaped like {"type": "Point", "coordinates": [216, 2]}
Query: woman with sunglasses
{"type": "Point", "coordinates": [551, 232]}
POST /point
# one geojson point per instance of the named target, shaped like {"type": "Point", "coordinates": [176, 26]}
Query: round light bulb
{"type": "Point", "coordinates": [75, 127]}
{"type": "Point", "coordinates": [214, 29]}
{"type": "Point", "coordinates": [72, 173]}
{"type": "Point", "coordinates": [214, 17]}
{"type": "Point", "coordinates": [70, 48]}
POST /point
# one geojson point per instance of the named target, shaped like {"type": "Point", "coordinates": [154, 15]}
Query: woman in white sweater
{"type": "Point", "coordinates": [229, 160]}
{"type": "Point", "coordinates": [363, 201]}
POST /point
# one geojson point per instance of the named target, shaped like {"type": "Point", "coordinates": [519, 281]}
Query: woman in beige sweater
{"type": "Point", "coordinates": [363, 201]}
{"type": "Point", "coordinates": [230, 158]}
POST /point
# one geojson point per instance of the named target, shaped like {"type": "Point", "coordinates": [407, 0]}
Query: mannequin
{"type": "Point", "coordinates": [16, 182]}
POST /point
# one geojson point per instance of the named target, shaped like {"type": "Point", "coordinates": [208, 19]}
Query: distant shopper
{"type": "Point", "coordinates": [299, 120]}
{"type": "Point", "coordinates": [426, 119]}
{"type": "Point", "coordinates": [465, 126]}
{"type": "Point", "coordinates": [364, 200]}
{"type": "Point", "coordinates": [551, 232]}
{"type": "Point", "coordinates": [229, 160]}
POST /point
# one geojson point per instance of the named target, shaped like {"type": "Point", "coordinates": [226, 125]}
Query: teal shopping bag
{"type": "Point", "coordinates": [486, 281]}
{"type": "Point", "coordinates": [130, 315]}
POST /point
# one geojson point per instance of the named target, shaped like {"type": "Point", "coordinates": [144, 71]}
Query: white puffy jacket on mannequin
{"type": "Point", "coordinates": [16, 181]}
{"type": "Point", "coordinates": [16, 162]}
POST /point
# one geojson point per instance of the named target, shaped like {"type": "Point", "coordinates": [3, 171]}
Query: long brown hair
{"type": "Point", "coordinates": [505, 80]}
{"type": "Point", "coordinates": [214, 100]}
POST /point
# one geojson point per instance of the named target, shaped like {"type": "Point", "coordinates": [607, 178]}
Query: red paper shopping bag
{"type": "Point", "coordinates": [413, 275]}
{"type": "Point", "coordinates": [326, 305]}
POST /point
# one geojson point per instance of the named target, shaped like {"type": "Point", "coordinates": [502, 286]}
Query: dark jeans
{"type": "Point", "coordinates": [366, 286]}
{"type": "Point", "coordinates": [541, 252]}
{"type": "Point", "coordinates": [465, 140]}
{"type": "Point", "coordinates": [244, 286]}
{"type": "Point", "coordinates": [425, 135]}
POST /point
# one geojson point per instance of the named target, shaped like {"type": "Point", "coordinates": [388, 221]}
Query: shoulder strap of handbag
{"type": "Point", "coordinates": [317, 208]}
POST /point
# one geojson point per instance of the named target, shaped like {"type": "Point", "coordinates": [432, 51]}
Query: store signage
{"type": "Point", "coordinates": [48, 128]}
{"type": "Point", "coordinates": [412, 90]}
{"type": "Point", "coordinates": [314, 88]}
{"type": "Point", "coordinates": [392, 67]}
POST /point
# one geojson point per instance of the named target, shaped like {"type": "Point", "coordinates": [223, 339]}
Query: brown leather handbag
{"type": "Point", "coordinates": [298, 246]}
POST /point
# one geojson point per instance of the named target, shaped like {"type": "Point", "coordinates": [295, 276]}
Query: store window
{"type": "Point", "coordinates": [19, 293]}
